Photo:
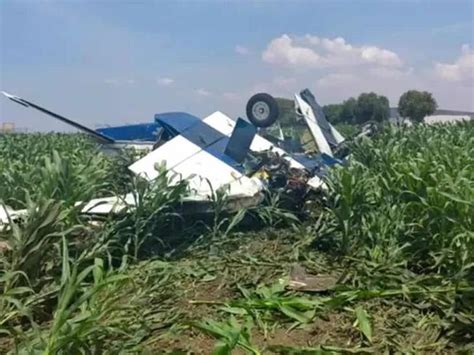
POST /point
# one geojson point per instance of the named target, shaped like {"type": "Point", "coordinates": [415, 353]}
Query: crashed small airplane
{"type": "Point", "coordinates": [210, 152]}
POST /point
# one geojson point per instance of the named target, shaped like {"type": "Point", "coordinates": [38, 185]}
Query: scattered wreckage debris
{"type": "Point", "coordinates": [279, 176]}
{"type": "Point", "coordinates": [216, 152]}
{"type": "Point", "coordinates": [301, 280]}
{"type": "Point", "coordinates": [7, 215]}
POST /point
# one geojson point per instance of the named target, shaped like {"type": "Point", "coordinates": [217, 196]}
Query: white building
{"type": "Point", "coordinates": [439, 116]}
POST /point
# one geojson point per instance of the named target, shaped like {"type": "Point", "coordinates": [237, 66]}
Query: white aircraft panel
{"type": "Point", "coordinates": [203, 168]}
{"type": "Point", "coordinates": [6, 212]}
{"type": "Point", "coordinates": [106, 205]}
{"type": "Point", "coordinates": [339, 138]}
{"type": "Point", "coordinates": [318, 135]}
{"type": "Point", "coordinates": [186, 160]}
{"type": "Point", "coordinates": [173, 152]}
{"type": "Point", "coordinates": [317, 183]}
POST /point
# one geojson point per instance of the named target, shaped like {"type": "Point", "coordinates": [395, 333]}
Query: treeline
{"type": "Point", "coordinates": [413, 104]}
{"type": "Point", "coordinates": [367, 107]}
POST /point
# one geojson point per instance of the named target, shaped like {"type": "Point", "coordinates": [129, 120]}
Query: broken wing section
{"type": "Point", "coordinates": [332, 136]}
{"type": "Point", "coordinates": [101, 138]}
{"type": "Point", "coordinates": [316, 132]}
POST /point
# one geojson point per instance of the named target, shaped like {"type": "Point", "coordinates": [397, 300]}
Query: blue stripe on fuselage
{"type": "Point", "coordinates": [137, 132]}
{"type": "Point", "coordinates": [212, 141]}
{"type": "Point", "coordinates": [178, 121]}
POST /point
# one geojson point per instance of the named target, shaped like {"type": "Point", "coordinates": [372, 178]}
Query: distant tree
{"type": "Point", "coordinates": [416, 105]}
{"type": "Point", "coordinates": [341, 113]}
{"type": "Point", "coordinates": [333, 113]}
{"type": "Point", "coordinates": [372, 107]}
{"type": "Point", "coordinates": [348, 112]}
{"type": "Point", "coordinates": [287, 116]}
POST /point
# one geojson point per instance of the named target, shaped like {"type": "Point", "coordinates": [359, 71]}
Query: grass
{"type": "Point", "coordinates": [396, 229]}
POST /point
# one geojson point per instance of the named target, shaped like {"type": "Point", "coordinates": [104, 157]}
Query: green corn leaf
{"type": "Point", "coordinates": [363, 323]}
{"type": "Point", "coordinates": [296, 315]}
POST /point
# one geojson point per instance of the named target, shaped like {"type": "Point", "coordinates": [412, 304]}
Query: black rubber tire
{"type": "Point", "coordinates": [268, 104]}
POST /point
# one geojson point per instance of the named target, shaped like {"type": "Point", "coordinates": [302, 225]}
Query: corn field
{"type": "Point", "coordinates": [395, 233]}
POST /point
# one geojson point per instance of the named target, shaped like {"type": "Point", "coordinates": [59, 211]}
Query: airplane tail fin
{"type": "Point", "coordinates": [240, 140]}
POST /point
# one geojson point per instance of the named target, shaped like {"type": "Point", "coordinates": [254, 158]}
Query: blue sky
{"type": "Point", "coordinates": [111, 62]}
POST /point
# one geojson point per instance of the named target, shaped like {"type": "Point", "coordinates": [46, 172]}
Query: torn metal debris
{"type": "Point", "coordinates": [300, 280]}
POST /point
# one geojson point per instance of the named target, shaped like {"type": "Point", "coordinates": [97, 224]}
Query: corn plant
{"type": "Point", "coordinates": [230, 335]}
{"type": "Point", "coordinates": [397, 220]}
{"type": "Point", "coordinates": [154, 211]}
{"type": "Point", "coordinates": [56, 166]}
{"type": "Point", "coordinates": [16, 302]}
{"type": "Point", "coordinates": [33, 240]}
{"type": "Point", "coordinates": [264, 302]}
{"type": "Point", "coordinates": [412, 189]}
{"type": "Point", "coordinates": [223, 222]}
{"type": "Point", "coordinates": [86, 311]}
{"type": "Point", "coordinates": [319, 350]}
{"type": "Point", "coordinates": [270, 213]}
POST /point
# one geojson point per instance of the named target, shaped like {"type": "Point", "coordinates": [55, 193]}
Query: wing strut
{"type": "Point", "coordinates": [99, 137]}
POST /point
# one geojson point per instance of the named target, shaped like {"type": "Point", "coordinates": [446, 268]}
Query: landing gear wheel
{"type": "Point", "coordinates": [262, 110]}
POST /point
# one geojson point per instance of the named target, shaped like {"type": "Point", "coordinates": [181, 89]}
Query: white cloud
{"type": "Point", "coordinates": [239, 49]}
{"type": "Point", "coordinates": [283, 51]}
{"type": "Point", "coordinates": [165, 81]}
{"type": "Point", "coordinates": [380, 56]}
{"type": "Point", "coordinates": [315, 52]}
{"type": "Point", "coordinates": [461, 70]}
{"type": "Point", "coordinates": [314, 40]}
{"type": "Point", "coordinates": [343, 72]}
{"type": "Point", "coordinates": [203, 92]}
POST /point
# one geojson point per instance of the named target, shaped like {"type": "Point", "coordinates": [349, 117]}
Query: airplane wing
{"type": "Point", "coordinates": [313, 126]}
{"type": "Point", "coordinates": [188, 143]}
{"type": "Point", "coordinates": [201, 165]}
{"type": "Point", "coordinates": [98, 136]}
{"type": "Point", "coordinates": [332, 136]}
